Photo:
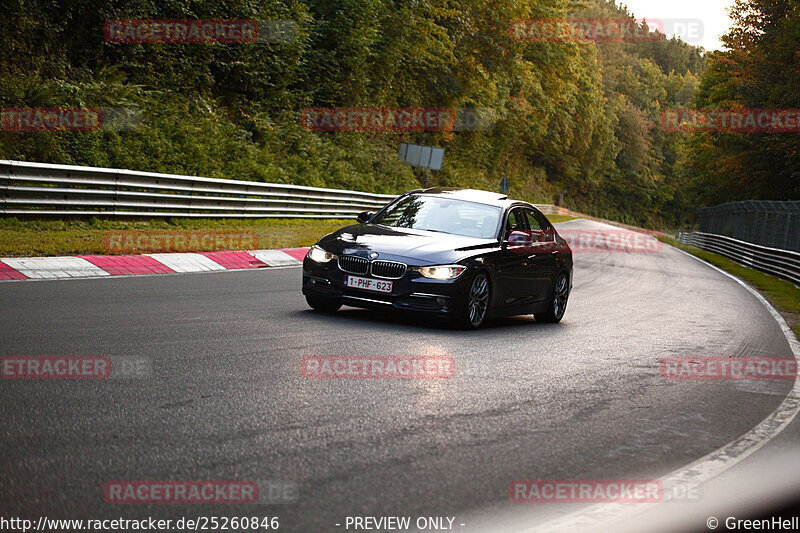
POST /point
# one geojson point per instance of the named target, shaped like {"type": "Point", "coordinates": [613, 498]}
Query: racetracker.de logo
{"type": "Point", "coordinates": [609, 240]}
{"type": "Point", "coordinates": [68, 119]}
{"type": "Point", "coordinates": [585, 241]}
{"type": "Point", "coordinates": [56, 367]}
{"type": "Point", "coordinates": [180, 31]}
{"type": "Point", "coordinates": [139, 242]}
{"type": "Point", "coordinates": [731, 120]}
{"type": "Point", "coordinates": [586, 491]}
{"type": "Point", "coordinates": [50, 119]}
{"type": "Point", "coordinates": [378, 367]}
{"type": "Point", "coordinates": [729, 368]}
{"type": "Point", "coordinates": [74, 367]}
{"type": "Point", "coordinates": [581, 29]}
{"type": "Point", "coordinates": [200, 492]}
{"type": "Point", "coordinates": [171, 492]}
{"type": "Point", "coordinates": [401, 119]}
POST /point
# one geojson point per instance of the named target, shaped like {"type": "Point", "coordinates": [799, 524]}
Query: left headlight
{"type": "Point", "coordinates": [319, 255]}
{"type": "Point", "coordinates": [442, 272]}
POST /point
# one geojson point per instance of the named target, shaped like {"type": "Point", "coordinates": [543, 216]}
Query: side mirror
{"type": "Point", "coordinates": [519, 242]}
{"type": "Point", "coordinates": [364, 216]}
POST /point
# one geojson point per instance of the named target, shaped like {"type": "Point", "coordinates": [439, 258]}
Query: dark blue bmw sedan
{"type": "Point", "coordinates": [461, 254]}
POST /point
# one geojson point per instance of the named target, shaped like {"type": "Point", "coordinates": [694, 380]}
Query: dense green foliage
{"type": "Point", "coordinates": [577, 123]}
{"type": "Point", "coordinates": [759, 70]}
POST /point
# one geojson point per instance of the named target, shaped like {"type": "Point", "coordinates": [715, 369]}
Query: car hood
{"type": "Point", "coordinates": [400, 244]}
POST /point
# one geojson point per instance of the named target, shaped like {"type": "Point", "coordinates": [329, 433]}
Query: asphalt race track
{"type": "Point", "coordinates": [226, 400]}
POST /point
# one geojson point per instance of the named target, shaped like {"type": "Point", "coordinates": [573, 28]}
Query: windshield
{"type": "Point", "coordinates": [445, 215]}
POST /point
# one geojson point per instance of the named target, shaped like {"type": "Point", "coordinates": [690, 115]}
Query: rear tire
{"type": "Point", "coordinates": [476, 304]}
{"type": "Point", "coordinates": [323, 305]}
{"type": "Point", "coordinates": [558, 302]}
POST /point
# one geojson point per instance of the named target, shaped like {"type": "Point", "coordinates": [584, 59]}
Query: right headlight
{"type": "Point", "coordinates": [320, 255]}
{"type": "Point", "coordinates": [442, 272]}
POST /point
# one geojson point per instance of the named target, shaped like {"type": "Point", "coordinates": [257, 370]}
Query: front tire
{"type": "Point", "coordinates": [324, 305]}
{"type": "Point", "coordinates": [476, 304]}
{"type": "Point", "coordinates": [558, 303]}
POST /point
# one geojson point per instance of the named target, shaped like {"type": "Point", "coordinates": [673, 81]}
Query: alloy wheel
{"type": "Point", "coordinates": [560, 295]}
{"type": "Point", "coordinates": [478, 299]}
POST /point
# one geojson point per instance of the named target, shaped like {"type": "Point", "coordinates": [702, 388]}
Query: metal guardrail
{"type": "Point", "coordinates": [63, 190]}
{"type": "Point", "coordinates": [784, 264]}
{"type": "Point", "coordinates": [45, 189]}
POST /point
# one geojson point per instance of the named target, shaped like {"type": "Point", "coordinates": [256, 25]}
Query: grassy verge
{"type": "Point", "coordinates": [781, 294]}
{"type": "Point", "coordinates": [559, 218]}
{"type": "Point", "coordinates": [33, 238]}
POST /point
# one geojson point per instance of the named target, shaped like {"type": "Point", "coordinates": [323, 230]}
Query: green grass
{"type": "Point", "coordinates": [782, 294]}
{"type": "Point", "coordinates": [26, 238]}
{"type": "Point", "coordinates": [559, 218]}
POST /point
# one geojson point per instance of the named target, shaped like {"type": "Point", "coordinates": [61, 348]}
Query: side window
{"type": "Point", "coordinates": [533, 222]}
{"type": "Point", "coordinates": [515, 222]}
{"type": "Point", "coordinates": [540, 227]}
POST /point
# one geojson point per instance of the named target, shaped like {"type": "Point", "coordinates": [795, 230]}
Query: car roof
{"type": "Point", "coordinates": [470, 195]}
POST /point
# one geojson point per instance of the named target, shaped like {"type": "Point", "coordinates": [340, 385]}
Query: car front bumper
{"type": "Point", "coordinates": [412, 292]}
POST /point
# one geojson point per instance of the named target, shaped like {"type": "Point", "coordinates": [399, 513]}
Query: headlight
{"type": "Point", "coordinates": [442, 272]}
{"type": "Point", "coordinates": [319, 255]}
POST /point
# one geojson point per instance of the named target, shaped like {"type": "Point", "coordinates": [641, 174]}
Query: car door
{"type": "Point", "coordinates": [513, 279]}
{"type": "Point", "coordinates": [541, 261]}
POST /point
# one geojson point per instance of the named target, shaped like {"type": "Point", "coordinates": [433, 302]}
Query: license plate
{"type": "Point", "coordinates": [368, 284]}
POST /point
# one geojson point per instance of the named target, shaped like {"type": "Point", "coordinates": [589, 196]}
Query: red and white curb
{"type": "Point", "coordinates": [89, 266]}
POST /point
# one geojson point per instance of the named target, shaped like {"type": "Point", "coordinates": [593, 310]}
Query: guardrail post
{"type": "Point", "coordinates": [191, 194]}
{"type": "Point", "coordinates": [115, 198]}
{"type": "Point", "coordinates": [5, 178]}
